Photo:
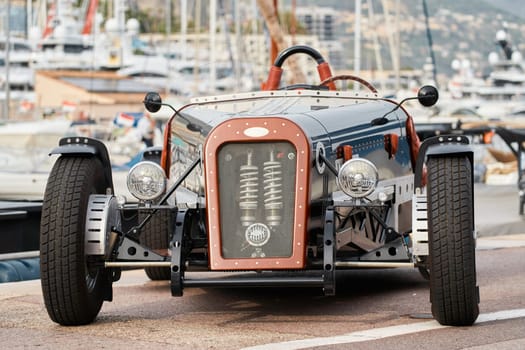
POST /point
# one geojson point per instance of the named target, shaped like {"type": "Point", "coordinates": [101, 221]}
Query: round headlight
{"type": "Point", "coordinates": [146, 180]}
{"type": "Point", "coordinates": [357, 177]}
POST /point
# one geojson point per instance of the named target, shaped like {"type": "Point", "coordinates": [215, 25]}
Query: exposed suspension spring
{"type": "Point", "coordinates": [249, 189]}
{"type": "Point", "coordinates": [273, 203]}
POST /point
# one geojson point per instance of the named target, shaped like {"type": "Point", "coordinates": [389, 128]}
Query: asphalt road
{"type": "Point", "coordinates": [373, 308]}
{"type": "Point", "coordinates": [144, 315]}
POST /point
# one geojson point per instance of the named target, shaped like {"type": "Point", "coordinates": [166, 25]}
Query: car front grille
{"type": "Point", "coordinates": [256, 185]}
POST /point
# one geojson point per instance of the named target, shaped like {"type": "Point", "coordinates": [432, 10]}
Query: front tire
{"type": "Point", "coordinates": [453, 291]}
{"type": "Point", "coordinates": [73, 284]}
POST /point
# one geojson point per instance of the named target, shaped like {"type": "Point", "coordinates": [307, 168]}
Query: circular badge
{"type": "Point", "coordinates": [257, 234]}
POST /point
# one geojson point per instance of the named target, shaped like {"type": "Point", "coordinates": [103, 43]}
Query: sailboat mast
{"type": "Point", "coordinates": [357, 42]}
{"type": "Point", "coordinates": [198, 9]}
{"type": "Point", "coordinates": [238, 43]}
{"type": "Point", "coordinates": [7, 52]}
{"type": "Point", "coordinates": [225, 32]}
{"type": "Point", "coordinates": [213, 44]}
{"type": "Point", "coordinates": [377, 49]}
{"type": "Point", "coordinates": [394, 47]}
{"type": "Point", "coordinates": [29, 18]}
{"type": "Point", "coordinates": [168, 45]}
{"type": "Point", "coordinates": [183, 27]}
{"type": "Point", "coordinates": [429, 38]}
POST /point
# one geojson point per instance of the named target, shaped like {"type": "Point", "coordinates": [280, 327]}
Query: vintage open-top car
{"type": "Point", "coordinates": [281, 187]}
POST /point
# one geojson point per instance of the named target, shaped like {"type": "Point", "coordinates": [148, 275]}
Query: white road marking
{"type": "Point", "coordinates": [380, 333]}
{"type": "Point", "coordinates": [498, 242]}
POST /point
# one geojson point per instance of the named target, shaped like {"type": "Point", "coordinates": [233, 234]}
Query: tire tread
{"type": "Point", "coordinates": [155, 235]}
{"type": "Point", "coordinates": [62, 263]}
{"type": "Point", "coordinates": [454, 294]}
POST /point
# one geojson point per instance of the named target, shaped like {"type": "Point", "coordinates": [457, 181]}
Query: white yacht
{"type": "Point", "coordinates": [502, 91]}
{"type": "Point", "coordinates": [25, 162]}
{"type": "Point", "coordinates": [19, 63]}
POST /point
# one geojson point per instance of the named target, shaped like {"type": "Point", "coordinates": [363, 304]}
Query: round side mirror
{"type": "Point", "coordinates": [428, 95]}
{"type": "Point", "coordinates": [152, 102]}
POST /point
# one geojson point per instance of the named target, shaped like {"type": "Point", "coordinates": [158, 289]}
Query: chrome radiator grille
{"type": "Point", "coordinates": [256, 183]}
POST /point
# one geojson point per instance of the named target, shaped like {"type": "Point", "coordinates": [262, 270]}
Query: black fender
{"type": "Point", "coordinates": [438, 146]}
{"type": "Point", "coordinates": [86, 147]}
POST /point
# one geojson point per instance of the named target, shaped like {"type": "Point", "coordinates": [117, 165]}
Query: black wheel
{"type": "Point", "coordinates": [453, 291]}
{"type": "Point", "coordinates": [155, 235]}
{"type": "Point", "coordinates": [73, 284]}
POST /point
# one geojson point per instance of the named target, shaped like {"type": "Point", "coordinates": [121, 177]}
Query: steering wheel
{"type": "Point", "coordinates": [331, 80]}
{"type": "Point", "coordinates": [274, 76]}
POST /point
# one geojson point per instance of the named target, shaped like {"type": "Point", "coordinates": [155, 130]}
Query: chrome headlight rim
{"type": "Point", "coordinates": [160, 184]}
{"type": "Point", "coordinates": [344, 169]}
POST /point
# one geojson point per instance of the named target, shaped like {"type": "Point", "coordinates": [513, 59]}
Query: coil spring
{"type": "Point", "coordinates": [249, 189]}
{"type": "Point", "coordinates": [273, 191]}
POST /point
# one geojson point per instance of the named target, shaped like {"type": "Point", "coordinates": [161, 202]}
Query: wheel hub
{"type": "Point", "coordinates": [101, 218]}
